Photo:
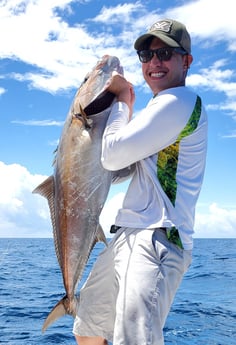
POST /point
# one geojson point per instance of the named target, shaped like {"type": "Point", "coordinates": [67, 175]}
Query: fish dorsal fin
{"type": "Point", "coordinates": [47, 190]}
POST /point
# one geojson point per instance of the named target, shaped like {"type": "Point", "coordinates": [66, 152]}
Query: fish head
{"type": "Point", "coordinates": [93, 96]}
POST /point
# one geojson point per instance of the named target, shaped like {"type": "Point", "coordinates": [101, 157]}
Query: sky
{"type": "Point", "coordinates": [46, 49]}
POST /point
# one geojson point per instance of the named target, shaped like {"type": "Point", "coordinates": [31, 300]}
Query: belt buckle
{"type": "Point", "coordinates": [114, 229]}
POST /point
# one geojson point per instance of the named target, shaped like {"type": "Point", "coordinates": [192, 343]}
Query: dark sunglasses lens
{"type": "Point", "coordinates": [164, 54]}
{"type": "Point", "coordinates": [145, 55]}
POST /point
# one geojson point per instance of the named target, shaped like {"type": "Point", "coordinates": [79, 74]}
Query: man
{"type": "Point", "coordinates": [130, 290]}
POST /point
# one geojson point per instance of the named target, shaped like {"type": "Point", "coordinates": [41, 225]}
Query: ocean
{"type": "Point", "coordinates": [203, 313]}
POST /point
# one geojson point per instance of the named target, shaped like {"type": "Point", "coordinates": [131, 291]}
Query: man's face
{"type": "Point", "coordinates": [161, 75]}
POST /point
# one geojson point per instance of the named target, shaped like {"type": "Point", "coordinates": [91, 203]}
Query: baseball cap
{"type": "Point", "coordinates": [170, 31]}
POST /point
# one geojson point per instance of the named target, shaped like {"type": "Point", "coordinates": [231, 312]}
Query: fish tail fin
{"type": "Point", "coordinates": [63, 307]}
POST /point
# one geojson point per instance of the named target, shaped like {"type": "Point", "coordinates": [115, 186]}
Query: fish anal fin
{"type": "Point", "coordinates": [100, 236]}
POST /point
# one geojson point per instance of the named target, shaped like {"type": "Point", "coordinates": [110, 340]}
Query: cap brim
{"type": "Point", "coordinates": [139, 43]}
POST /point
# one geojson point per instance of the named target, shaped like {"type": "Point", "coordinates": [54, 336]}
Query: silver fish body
{"type": "Point", "coordinates": [78, 189]}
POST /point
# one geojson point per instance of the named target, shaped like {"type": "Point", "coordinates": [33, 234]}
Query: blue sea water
{"type": "Point", "coordinates": [203, 313]}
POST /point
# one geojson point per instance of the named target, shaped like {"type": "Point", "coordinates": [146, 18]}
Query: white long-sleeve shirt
{"type": "Point", "coordinates": [168, 144]}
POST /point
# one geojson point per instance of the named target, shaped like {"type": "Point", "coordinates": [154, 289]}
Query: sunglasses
{"type": "Point", "coordinates": [163, 54]}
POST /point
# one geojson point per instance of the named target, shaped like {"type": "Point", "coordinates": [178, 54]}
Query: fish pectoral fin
{"type": "Point", "coordinates": [100, 235]}
{"type": "Point", "coordinates": [63, 307]}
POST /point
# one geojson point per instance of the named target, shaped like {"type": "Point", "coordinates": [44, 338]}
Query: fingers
{"type": "Point", "coordinates": [123, 90]}
{"type": "Point", "coordinates": [117, 83]}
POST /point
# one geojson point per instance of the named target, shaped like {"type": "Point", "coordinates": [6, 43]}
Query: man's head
{"type": "Point", "coordinates": [171, 32]}
{"type": "Point", "coordinates": [165, 53]}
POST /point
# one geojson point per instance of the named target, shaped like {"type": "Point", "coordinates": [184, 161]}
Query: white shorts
{"type": "Point", "coordinates": [129, 292]}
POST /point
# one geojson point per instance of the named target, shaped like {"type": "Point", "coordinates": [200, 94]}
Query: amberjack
{"type": "Point", "coordinates": [78, 188]}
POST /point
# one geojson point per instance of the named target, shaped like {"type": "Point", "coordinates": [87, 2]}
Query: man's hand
{"type": "Point", "coordinates": [123, 90]}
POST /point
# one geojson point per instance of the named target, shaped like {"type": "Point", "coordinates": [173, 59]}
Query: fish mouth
{"type": "Point", "coordinates": [102, 73]}
{"type": "Point", "coordinates": [99, 104]}
{"type": "Point", "coordinates": [105, 98]}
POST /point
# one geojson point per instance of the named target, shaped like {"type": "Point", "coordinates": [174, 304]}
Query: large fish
{"type": "Point", "coordinates": [78, 189]}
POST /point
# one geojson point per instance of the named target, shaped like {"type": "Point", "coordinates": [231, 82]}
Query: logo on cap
{"type": "Point", "coordinates": [162, 26]}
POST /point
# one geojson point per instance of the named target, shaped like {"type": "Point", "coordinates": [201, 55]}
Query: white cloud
{"type": "Point", "coordinates": [111, 15]}
{"type": "Point", "coordinates": [207, 20]}
{"type": "Point", "coordinates": [22, 214]}
{"type": "Point", "coordinates": [215, 77]}
{"type": "Point", "coordinates": [219, 79]}
{"type": "Point", "coordinates": [2, 91]}
{"type": "Point", "coordinates": [216, 222]}
{"type": "Point", "coordinates": [60, 51]}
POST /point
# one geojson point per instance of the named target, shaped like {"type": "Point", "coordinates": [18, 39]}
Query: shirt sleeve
{"type": "Point", "coordinates": [122, 175]}
{"type": "Point", "coordinates": [158, 126]}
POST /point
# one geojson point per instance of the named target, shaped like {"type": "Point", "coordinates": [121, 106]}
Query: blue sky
{"type": "Point", "coordinates": [47, 47]}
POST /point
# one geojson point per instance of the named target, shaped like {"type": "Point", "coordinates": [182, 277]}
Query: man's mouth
{"type": "Point", "coordinates": [156, 74]}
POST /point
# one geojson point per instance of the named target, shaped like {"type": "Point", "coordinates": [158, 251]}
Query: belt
{"type": "Point", "coordinates": [172, 234]}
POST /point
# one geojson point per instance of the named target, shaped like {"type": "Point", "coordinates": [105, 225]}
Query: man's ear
{"type": "Point", "coordinates": [188, 60]}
